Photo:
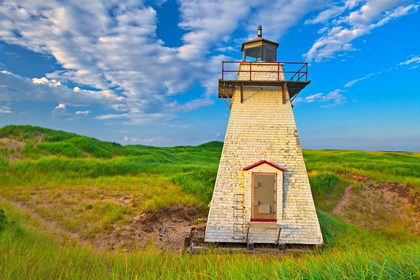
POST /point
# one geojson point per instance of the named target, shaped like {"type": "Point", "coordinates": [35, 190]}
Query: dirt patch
{"type": "Point", "coordinates": [49, 226]}
{"type": "Point", "coordinates": [11, 148]}
{"type": "Point", "coordinates": [164, 230]}
{"type": "Point", "coordinates": [106, 217]}
{"type": "Point", "coordinates": [382, 206]}
{"type": "Point", "coordinates": [87, 218]}
{"type": "Point", "coordinates": [39, 137]}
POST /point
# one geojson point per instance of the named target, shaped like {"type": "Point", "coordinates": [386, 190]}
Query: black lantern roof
{"type": "Point", "coordinates": [260, 48]}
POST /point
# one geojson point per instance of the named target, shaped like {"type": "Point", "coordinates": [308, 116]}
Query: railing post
{"type": "Point", "coordinates": [278, 71]}
{"type": "Point", "coordinates": [223, 70]}
{"type": "Point", "coordinates": [306, 63]}
{"type": "Point", "coordinates": [250, 71]}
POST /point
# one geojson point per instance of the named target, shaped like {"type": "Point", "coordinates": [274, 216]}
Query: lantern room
{"type": "Point", "coordinates": [259, 49]}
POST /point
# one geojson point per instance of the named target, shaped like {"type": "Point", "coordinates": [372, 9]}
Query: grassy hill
{"type": "Point", "coordinates": [84, 208]}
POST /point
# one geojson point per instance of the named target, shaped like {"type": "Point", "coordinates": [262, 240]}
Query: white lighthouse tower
{"type": "Point", "coordinates": [262, 192]}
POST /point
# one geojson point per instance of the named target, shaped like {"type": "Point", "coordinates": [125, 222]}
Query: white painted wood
{"type": "Point", "coordinates": [263, 128]}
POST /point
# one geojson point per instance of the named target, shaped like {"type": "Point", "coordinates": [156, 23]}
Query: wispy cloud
{"type": "Point", "coordinates": [84, 113]}
{"type": "Point", "coordinates": [336, 97]}
{"type": "Point", "coordinates": [414, 62]}
{"type": "Point", "coordinates": [340, 32]}
{"type": "Point", "coordinates": [159, 139]}
{"type": "Point", "coordinates": [131, 71]}
{"type": "Point", "coordinates": [17, 88]}
{"type": "Point", "coordinates": [5, 110]}
{"type": "Point", "coordinates": [351, 83]}
{"type": "Point", "coordinates": [120, 56]}
{"type": "Point", "coordinates": [137, 118]}
{"type": "Point", "coordinates": [330, 99]}
{"type": "Point", "coordinates": [60, 112]}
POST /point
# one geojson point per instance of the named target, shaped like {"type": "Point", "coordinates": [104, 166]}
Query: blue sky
{"type": "Point", "coordinates": [146, 72]}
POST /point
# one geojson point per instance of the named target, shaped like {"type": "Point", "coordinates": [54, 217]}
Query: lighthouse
{"type": "Point", "coordinates": [262, 192]}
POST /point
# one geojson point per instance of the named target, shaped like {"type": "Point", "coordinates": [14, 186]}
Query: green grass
{"type": "Point", "coordinates": [84, 179]}
{"type": "Point", "coordinates": [400, 167]}
{"type": "Point", "coordinates": [29, 253]}
{"type": "Point", "coordinates": [327, 189]}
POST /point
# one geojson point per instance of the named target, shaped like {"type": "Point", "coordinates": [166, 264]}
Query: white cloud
{"type": "Point", "coordinates": [209, 23]}
{"type": "Point", "coordinates": [334, 10]}
{"type": "Point", "coordinates": [112, 46]}
{"type": "Point", "coordinates": [351, 83]}
{"type": "Point", "coordinates": [60, 112]}
{"type": "Point", "coordinates": [5, 110]}
{"type": "Point", "coordinates": [137, 118]}
{"type": "Point", "coordinates": [327, 14]}
{"type": "Point", "coordinates": [159, 139]}
{"type": "Point", "coordinates": [336, 97]}
{"type": "Point", "coordinates": [17, 88]}
{"type": "Point", "coordinates": [277, 17]}
{"type": "Point", "coordinates": [333, 98]}
{"type": "Point", "coordinates": [85, 113]}
{"type": "Point", "coordinates": [117, 53]}
{"type": "Point", "coordinates": [45, 81]}
{"type": "Point", "coordinates": [313, 97]}
{"type": "Point", "coordinates": [413, 60]}
{"type": "Point", "coordinates": [339, 33]}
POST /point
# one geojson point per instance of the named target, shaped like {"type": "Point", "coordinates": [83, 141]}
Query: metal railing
{"type": "Point", "coordinates": [301, 74]}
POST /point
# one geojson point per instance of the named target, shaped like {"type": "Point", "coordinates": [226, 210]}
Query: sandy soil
{"type": "Point", "coordinates": [164, 230]}
{"type": "Point", "coordinates": [12, 144]}
{"type": "Point", "coordinates": [385, 206]}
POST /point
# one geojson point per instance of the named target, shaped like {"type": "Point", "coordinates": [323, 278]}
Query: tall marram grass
{"type": "Point", "coordinates": [401, 167]}
{"type": "Point", "coordinates": [195, 179]}
{"type": "Point", "coordinates": [58, 162]}
{"type": "Point", "coordinates": [30, 254]}
{"type": "Point", "coordinates": [327, 189]}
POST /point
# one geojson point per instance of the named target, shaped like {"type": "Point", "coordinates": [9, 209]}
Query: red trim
{"type": "Point", "coordinates": [263, 220]}
{"type": "Point", "coordinates": [261, 162]}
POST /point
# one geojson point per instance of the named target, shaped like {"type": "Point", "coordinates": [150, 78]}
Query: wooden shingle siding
{"type": "Point", "coordinates": [263, 128]}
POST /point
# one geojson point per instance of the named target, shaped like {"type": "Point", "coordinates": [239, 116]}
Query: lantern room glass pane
{"type": "Point", "coordinates": [255, 52]}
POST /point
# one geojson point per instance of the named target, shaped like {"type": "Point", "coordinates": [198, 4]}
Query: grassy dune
{"type": "Point", "coordinates": [27, 252]}
{"type": "Point", "coordinates": [87, 187]}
